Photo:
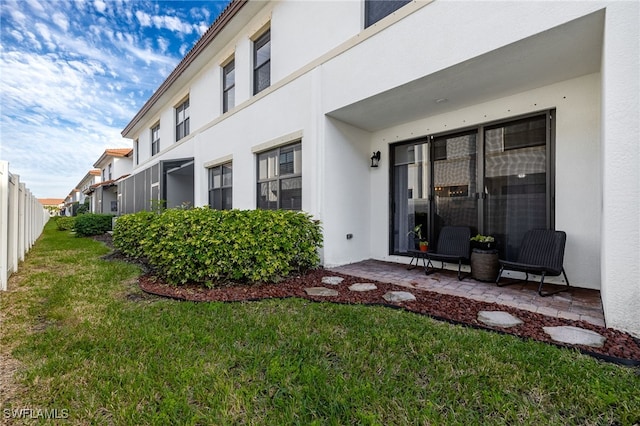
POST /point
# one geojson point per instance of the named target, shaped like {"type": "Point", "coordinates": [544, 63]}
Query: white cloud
{"type": "Point", "coordinates": [143, 18]}
{"type": "Point", "coordinates": [61, 21]}
{"type": "Point", "coordinates": [100, 5]}
{"type": "Point", "coordinates": [163, 44]}
{"type": "Point", "coordinates": [74, 72]}
{"type": "Point", "coordinates": [17, 35]}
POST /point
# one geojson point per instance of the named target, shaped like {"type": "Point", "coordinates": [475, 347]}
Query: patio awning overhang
{"type": "Point", "coordinates": [568, 51]}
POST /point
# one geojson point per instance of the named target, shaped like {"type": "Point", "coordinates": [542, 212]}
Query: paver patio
{"type": "Point", "coordinates": [574, 304]}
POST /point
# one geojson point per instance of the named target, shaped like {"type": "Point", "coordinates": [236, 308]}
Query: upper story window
{"type": "Point", "coordinates": [228, 86]}
{"type": "Point", "coordinates": [109, 173]}
{"type": "Point", "coordinates": [155, 139]}
{"type": "Point", "coordinates": [220, 187]}
{"type": "Point", "coordinates": [375, 10]}
{"type": "Point", "coordinates": [182, 120]}
{"type": "Point", "coordinates": [280, 178]}
{"type": "Point", "coordinates": [262, 62]}
{"type": "Point", "coordinates": [136, 152]}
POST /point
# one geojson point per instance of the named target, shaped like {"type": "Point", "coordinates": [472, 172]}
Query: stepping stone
{"type": "Point", "coordinates": [398, 296]}
{"type": "Point", "coordinates": [575, 336]}
{"type": "Point", "coordinates": [320, 291]}
{"type": "Point", "coordinates": [332, 280]}
{"type": "Point", "coordinates": [498, 319]}
{"type": "Point", "coordinates": [363, 287]}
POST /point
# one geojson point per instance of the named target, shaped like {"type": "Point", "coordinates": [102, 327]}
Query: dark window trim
{"type": "Point", "coordinates": [257, 44]}
{"type": "Point", "coordinates": [213, 191]}
{"type": "Point", "coordinates": [155, 143]}
{"type": "Point", "coordinates": [278, 177]}
{"type": "Point", "coordinates": [226, 70]}
{"type": "Point", "coordinates": [368, 11]}
{"type": "Point", "coordinates": [480, 155]}
{"type": "Point", "coordinates": [182, 127]}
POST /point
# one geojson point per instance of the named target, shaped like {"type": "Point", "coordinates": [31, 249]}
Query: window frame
{"type": "Point", "coordinates": [278, 178]}
{"type": "Point", "coordinates": [259, 42]}
{"type": "Point", "coordinates": [481, 194]}
{"type": "Point", "coordinates": [227, 89]}
{"type": "Point", "coordinates": [182, 124]}
{"type": "Point", "coordinates": [214, 191]}
{"type": "Point", "coordinates": [369, 20]}
{"type": "Point", "coordinates": [155, 139]}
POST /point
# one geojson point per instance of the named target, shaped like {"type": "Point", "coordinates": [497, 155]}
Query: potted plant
{"type": "Point", "coordinates": [483, 242]}
{"type": "Point", "coordinates": [417, 234]}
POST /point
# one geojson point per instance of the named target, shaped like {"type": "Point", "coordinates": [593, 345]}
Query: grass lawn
{"type": "Point", "coordinates": [83, 340]}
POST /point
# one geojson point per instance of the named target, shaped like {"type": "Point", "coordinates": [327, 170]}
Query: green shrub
{"type": "Point", "coordinates": [129, 230]}
{"type": "Point", "coordinates": [209, 246]}
{"type": "Point", "coordinates": [90, 224]}
{"type": "Point", "coordinates": [65, 223]}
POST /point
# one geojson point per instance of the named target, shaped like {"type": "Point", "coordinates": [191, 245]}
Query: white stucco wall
{"type": "Point", "coordinates": [597, 156]}
{"type": "Point", "coordinates": [578, 192]}
{"type": "Point", "coordinates": [620, 153]}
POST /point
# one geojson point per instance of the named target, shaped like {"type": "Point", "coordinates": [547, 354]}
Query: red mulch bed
{"type": "Point", "coordinates": [619, 347]}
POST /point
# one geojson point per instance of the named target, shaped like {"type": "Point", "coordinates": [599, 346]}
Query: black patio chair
{"type": "Point", "coordinates": [453, 246]}
{"type": "Point", "coordinates": [542, 253]}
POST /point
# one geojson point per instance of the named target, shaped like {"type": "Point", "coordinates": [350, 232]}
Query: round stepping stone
{"type": "Point", "coordinates": [575, 336]}
{"type": "Point", "coordinates": [498, 319]}
{"type": "Point", "coordinates": [332, 280]}
{"type": "Point", "coordinates": [320, 291]}
{"type": "Point", "coordinates": [363, 287]}
{"type": "Point", "coordinates": [398, 296]}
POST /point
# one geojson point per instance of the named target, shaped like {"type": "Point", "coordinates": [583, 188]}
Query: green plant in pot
{"type": "Point", "coordinates": [423, 244]}
{"type": "Point", "coordinates": [483, 242]}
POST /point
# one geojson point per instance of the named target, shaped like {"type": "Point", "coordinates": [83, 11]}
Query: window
{"type": "Point", "coordinates": [109, 173]}
{"type": "Point", "coordinates": [497, 179]}
{"type": "Point", "coordinates": [228, 86]}
{"type": "Point", "coordinates": [155, 139]}
{"type": "Point", "coordinates": [262, 62]}
{"type": "Point", "coordinates": [136, 150]}
{"type": "Point", "coordinates": [182, 120]}
{"type": "Point", "coordinates": [375, 10]}
{"type": "Point", "coordinates": [280, 178]}
{"type": "Point", "coordinates": [220, 187]}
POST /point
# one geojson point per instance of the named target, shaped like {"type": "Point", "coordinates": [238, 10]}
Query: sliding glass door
{"type": "Point", "coordinates": [411, 189]}
{"type": "Point", "coordinates": [454, 182]}
{"type": "Point", "coordinates": [516, 184]}
{"type": "Point", "coordinates": [497, 179]}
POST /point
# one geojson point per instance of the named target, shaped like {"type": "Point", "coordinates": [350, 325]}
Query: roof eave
{"type": "Point", "coordinates": [218, 25]}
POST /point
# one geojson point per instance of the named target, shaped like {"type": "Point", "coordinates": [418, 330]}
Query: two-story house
{"type": "Point", "coordinates": [86, 187]}
{"type": "Point", "coordinates": [113, 165]}
{"type": "Point", "coordinates": [377, 116]}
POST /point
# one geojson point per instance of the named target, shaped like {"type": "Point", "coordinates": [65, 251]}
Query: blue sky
{"type": "Point", "coordinates": [73, 73]}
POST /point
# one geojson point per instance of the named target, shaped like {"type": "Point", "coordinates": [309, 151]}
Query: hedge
{"type": "Point", "coordinates": [129, 231]}
{"type": "Point", "coordinates": [90, 224]}
{"type": "Point", "coordinates": [65, 223]}
{"type": "Point", "coordinates": [212, 246]}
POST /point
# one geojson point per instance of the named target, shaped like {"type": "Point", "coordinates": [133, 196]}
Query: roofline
{"type": "Point", "coordinates": [218, 25]}
{"type": "Point", "coordinates": [111, 153]}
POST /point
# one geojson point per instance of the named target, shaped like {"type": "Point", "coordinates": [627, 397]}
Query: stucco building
{"type": "Point", "coordinates": [501, 116]}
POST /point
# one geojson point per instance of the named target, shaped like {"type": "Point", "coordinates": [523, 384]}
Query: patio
{"type": "Point", "coordinates": [575, 304]}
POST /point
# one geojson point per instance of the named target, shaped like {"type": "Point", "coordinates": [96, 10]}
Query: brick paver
{"type": "Point", "coordinates": [576, 303]}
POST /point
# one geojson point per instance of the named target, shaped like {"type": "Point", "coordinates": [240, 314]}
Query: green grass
{"type": "Point", "coordinates": [89, 342]}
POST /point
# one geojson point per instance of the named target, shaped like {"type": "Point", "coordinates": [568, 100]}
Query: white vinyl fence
{"type": "Point", "coordinates": [22, 219]}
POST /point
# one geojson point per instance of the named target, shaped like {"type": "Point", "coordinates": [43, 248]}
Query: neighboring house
{"type": "Point", "coordinates": [113, 166]}
{"type": "Point", "coordinates": [87, 188]}
{"type": "Point", "coordinates": [71, 203]}
{"type": "Point", "coordinates": [53, 205]}
{"type": "Point", "coordinates": [501, 116]}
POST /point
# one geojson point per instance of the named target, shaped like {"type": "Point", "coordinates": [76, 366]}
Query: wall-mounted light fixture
{"type": "Point", "coordinates": [375, 158]}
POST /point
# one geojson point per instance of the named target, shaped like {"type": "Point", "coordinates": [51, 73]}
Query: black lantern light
{"type": "Point", "coordinates": [375, 158]}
